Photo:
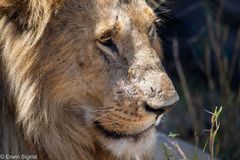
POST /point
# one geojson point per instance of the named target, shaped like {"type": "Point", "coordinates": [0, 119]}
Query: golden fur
{"type": "Point", "coordinates": [59, 79]}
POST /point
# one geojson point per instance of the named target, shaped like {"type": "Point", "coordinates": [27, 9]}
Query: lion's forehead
{"type": "Point", "coordinates": [134, 13]}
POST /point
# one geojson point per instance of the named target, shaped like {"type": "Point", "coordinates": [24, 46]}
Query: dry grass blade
{"type": "Point", "coordinates": [214, 130]}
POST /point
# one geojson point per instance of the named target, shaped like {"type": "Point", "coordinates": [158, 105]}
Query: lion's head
{"type": "Point", "coordinates": [85, 77]}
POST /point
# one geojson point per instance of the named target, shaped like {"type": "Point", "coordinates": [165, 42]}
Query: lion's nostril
{"type": "Point", "coordinates": [158, 112]}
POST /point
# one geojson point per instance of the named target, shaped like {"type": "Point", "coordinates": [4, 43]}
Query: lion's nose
{"type": "Point", "coordinates": [158, 112]}
{"type": "Point", "coordinates": [164, 107]}
{"type": "Point", "coordinates": [163, 100]}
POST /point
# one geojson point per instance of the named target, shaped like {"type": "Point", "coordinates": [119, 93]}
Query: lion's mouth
{"type": "Point", "coordinates": [119, 135]}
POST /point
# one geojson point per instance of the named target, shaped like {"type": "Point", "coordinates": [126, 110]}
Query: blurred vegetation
{"type": "Point", "coordinates": [213, 132]}
{"type": "Point", "coordinates": [201, 39]}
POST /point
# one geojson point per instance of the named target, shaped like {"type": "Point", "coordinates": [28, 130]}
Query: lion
{"type": "Point", "coordinates": [81, 79]}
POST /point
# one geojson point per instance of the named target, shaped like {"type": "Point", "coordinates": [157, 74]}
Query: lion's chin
{"type": "Point", "coordinates": [131, 147]}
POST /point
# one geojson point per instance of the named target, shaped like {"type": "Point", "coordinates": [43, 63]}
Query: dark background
{"type": "Point", "coordinates": [201, 41]}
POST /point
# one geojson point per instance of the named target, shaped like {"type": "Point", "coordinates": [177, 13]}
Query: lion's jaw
{"type": "Point", "coordinates": [132, 149]}
{"type": "Point", "coordinates": [137, 147]}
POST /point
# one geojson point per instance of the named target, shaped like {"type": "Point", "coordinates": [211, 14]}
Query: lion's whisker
{"type": "Point", "coordinates": [96, 120]}
{"type": "Point", "coordinates": [90, 108]}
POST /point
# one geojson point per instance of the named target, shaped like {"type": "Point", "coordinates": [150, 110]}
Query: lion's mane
{"type": "Point", "coordinates": [27, 128]}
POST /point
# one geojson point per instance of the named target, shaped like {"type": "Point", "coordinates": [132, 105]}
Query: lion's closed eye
{"type": "Point", "coordinates": [107, 45]}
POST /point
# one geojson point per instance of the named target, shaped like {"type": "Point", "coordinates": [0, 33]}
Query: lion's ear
{"type": "Point", "coordinates": [28, 14]}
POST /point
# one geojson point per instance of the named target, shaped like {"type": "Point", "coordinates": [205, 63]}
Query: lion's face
{"type": "Point", "coordinates": [97, 63]}
{"type": "Point", "coordinates": [106, 65]}
{"type": "Point", "coordinates": [107, 68]}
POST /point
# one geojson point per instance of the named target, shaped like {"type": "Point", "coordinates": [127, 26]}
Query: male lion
{"type": "Point", "coordinates": [81, 79]}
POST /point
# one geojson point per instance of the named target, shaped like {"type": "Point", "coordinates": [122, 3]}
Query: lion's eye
{"type": "Point", "coordinates": [108, 42]}
{"type": "Point", "coordinates": [107, 46]}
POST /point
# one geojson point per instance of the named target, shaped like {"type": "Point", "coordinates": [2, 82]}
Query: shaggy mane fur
{"type": "Point", "coordinates": [21, 27]}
